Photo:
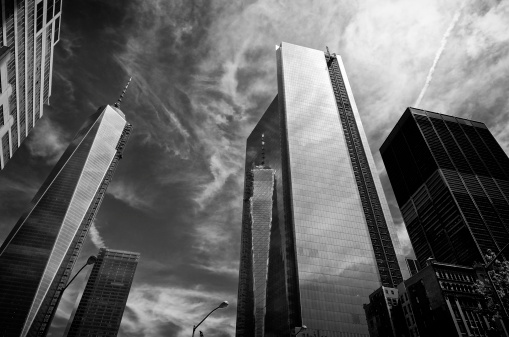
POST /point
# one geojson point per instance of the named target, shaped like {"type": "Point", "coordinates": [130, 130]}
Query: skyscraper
{"type": "Point", "coordinates": [259, 199]}
{"type": "Point", "coordinates": [37, 256]}
{"type": "Point", "coordinates": [332, 240]}
{"type": "Point", "coordinates": [451, 181]}
{"type": "Point", "coordinates": [103, 301]}
{"type": "Point", "coordinates": [30, 30]}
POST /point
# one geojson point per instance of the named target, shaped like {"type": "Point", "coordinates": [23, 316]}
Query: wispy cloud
{"type": "Point", "coordinates": [47, 140]}
{"type": "Point", "coordinates": [96, 237]}
{"type": "Point", "coordinates": [132, 194]}
{"type": "Point", "coordinates": [154, 307]}
{"type": "Point", "coordinates": [221, 167]}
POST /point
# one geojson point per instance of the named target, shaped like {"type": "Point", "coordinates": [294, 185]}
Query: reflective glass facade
{"type": "Point", "coordinates": [30, 30]}
{"type": "Point", "coordinates": [103, 301]}
{"type": "Point", "coordinates": [260, 189]}
{"type": "Point", "coordinates": [334, 242]}
{"type": "Point", "coordinates": [37, 256]}
{"type": "Point", "coordinates": [451, 181]}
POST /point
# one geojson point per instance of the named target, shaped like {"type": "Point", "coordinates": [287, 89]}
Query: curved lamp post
{"type": "Point", "coordinates": [91, 260]}
{"type": "Point", "coordinates": [220, 306]}
{"type": "Point", "coordinates": [302, 328]}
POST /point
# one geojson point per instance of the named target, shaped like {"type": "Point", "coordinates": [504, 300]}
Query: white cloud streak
{"type": "Point", "coordinates": [155, 306]}
{"type": "Point", "coordinates": [47, 141]}
{"type": "Point", "coordinates": [440, 50]}
{"type": "Point", "coordinates": [133, 195]}
{"type": "Point", "coordinates": [96, 237]}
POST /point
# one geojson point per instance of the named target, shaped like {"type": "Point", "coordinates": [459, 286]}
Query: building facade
{"type": "Point", "coordinates": [333, 241]}
{"type": "Point", "coordinates": [39, 253]}
{"type": "Point", "coordinates": [451, 181]}
{"type": "Point", "coordinates": [384, 314]}
{"type": "Point", "coordinates": [103, 301]}
{"type": "Point", "coordinates": [257, 223]}
{"type": "Point", "coordinates": [30, 30]}
{"type": "Point", "coordinates": [441, 300]}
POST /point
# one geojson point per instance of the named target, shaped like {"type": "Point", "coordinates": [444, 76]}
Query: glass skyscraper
{"type": "Point", "coordinates": [30, 30]}
{"type": "Point", "coordinates": [103, 301]}
{"type": "Point", "coordinates": [38, 255]}
{"type": "Point", "coordinates": [258, 218]}
{"type": "Point", "coordinates": [332, 239]}
{"type": "Point", "coordinates": [451, 181]}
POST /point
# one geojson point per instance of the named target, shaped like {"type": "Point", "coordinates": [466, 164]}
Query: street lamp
{"type": "Point", "coordinates": [91, 260]}
{"type": "Point", "coordinates": [220, 306]}
{"type": "Point", "coordinates": [302, 328]}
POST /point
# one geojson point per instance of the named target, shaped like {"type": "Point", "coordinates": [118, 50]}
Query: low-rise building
{"type": "Point", "coordinates": [440, 301]}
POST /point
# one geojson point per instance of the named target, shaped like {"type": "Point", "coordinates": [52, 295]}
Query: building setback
{"type": "Point", "coordinates": [103, 301]}
{"type": "Point", "coordinates": [332, 240]}
{"type": "Point", "coordinates": [451, 181]}
{"type": "Point", "coordinates": [39, 253]}
{"type": "Point", "coordinates": [30, 30]}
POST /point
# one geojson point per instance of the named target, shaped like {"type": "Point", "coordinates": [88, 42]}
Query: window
{"type": "Point", "coordinates": [56, 33]}
{"type": "Point", "coordinates": [57, 6]}
{"type": "Point", "coordinates": [49, 11]}
{"type": "Point", "coordinates": [39, 15]}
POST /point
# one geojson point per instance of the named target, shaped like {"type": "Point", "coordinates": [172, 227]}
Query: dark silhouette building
{"type": "Point", "coordinates": [103, 300]}
{"type": "Point", "coordinates": [332, 239]}
{"type": "Point", "coordinates": [451, 181]}
{"type": "Point", "coordinates": [37, 257]}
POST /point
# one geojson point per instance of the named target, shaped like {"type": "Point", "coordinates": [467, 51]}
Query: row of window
{"type": "Point", "coordinates": [53, 8]}
{"type": "Point", "coordinates": [455, 276]}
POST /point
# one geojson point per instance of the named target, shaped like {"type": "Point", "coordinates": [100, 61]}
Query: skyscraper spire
{"type": "Point", "coordinates": [117, 104]}
{"type": "Point", "coordinates": [263, 149]}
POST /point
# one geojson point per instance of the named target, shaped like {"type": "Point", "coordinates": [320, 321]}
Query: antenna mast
{"type": "Point", "coordinates": [117, 104]}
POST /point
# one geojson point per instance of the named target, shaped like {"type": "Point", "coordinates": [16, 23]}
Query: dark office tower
{"type": "Point", "coordinates": [30, 30]}
{"type": "Point", "coordinates": [450, 178]}
{"type": "Point", "coordinates": [259, 205]}
{"type": "Point", "coordinates": [37, 256]}
{"type": "Point", "coordinates": [103, 301]}
{"type": "Point", "coordinates": [331, 239]}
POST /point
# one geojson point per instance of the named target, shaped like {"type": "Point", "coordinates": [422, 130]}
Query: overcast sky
{"type": "Point", "coordinates": [203, 74]}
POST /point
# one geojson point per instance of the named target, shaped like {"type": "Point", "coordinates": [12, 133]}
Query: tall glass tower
{"type": "Point", "coordinates": [332, 241]}
{"type": "Point", "coordinates": [37, 256]}
{"type": "Point", "coordinates": [103, 301]}
{"type": "Point", "coordinates": [260, 213]}
{"type": "Point", "coordinates": [30, 30]}
{"type": "Point", "coordinates": [451, 181]}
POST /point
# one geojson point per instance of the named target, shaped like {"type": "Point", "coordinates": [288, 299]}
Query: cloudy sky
{"type": "Point", "coordinates": [203, 74]}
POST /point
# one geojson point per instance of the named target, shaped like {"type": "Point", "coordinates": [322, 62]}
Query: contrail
{"type": "Point", "coordinates": [437, 56]}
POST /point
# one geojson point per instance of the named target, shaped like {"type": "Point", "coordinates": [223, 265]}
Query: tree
{"type": "Point", "coordinates": [499, 272]}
